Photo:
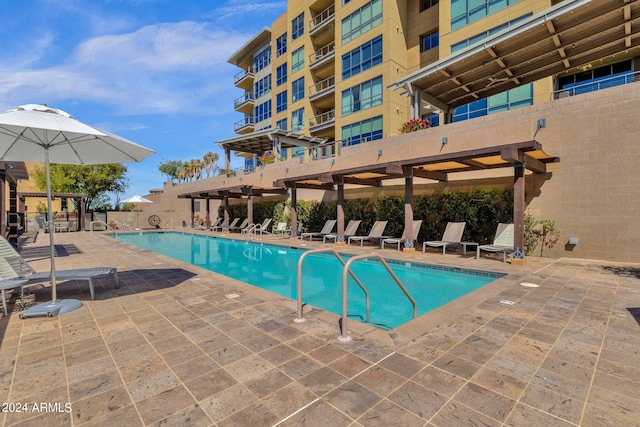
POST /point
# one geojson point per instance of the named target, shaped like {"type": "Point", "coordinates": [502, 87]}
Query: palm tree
{"type": "Point", "coordinates": [184, 172]}
{"type": "Point", "coordinates": [196, 166]}
{"type": "Point", "coordinates": [211, 162]}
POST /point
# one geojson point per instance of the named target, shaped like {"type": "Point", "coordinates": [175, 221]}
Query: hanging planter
{"type": "Point", "coordinates": [414, 125]}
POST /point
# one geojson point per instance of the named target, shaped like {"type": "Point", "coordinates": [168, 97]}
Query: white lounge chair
{"type": "Point", "coordinates": [257, 228]}
{"type": "Point", "coordinates": [503, 241]}
{"type": "Point", "coordinates": [416, 230]}
{"type": "Point", "coordinates": [221, 225]}
{"type": "Point", "coordinates": [351, 230]}
{"type": "Point", "coordinates": [13, 266]}
{"type": "Point", "coordinates": [452, 236]}
{"type": "Point", "coordinates": [328, 227]}
{"type": "Point", "coordinates": [242, 226]}
{"type": "Point", "coordinates": [376, 233]}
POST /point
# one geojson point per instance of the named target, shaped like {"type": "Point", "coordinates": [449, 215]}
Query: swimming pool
{"type": "Point", "coordinates": [274, 268]}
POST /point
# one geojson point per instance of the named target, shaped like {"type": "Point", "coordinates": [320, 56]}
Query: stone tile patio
{"type": "Point", "coordinates": [169, 348]}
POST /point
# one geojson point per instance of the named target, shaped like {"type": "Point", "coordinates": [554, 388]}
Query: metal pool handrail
{"type": "Point", "coordinates": [347, 269]}
{"type": "Point", "coordinates": [300, 317]}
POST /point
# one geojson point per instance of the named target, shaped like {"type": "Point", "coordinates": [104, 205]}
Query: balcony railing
{"type": "Point", "coordinates": [321, 53]}
{"type": "Point", "coordinates": [621, 79]}
{"type": "Point", "coordinates": [324, 16]}
{"type": "Point", "coordinates": [248, 72]}
{"type": "Point", "coordinates": [244, 98]}
{"type": "Point", "coordinates": [322, 85]}
{"type": "Point", "coordinates": [247, 121]}
{"type": "Point", "coordinates": [322, 119]}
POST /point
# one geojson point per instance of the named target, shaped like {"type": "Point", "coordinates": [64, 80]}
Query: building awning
{"type": "Point", "coordinates": [438, 167]}
{"type": "Point", "coordinates": [567, 37]}
{"type": "Point", "coordinates": [263, 140]}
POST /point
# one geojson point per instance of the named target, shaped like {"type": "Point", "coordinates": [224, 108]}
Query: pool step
{"type": "Point", "coordinates": [362, 319]}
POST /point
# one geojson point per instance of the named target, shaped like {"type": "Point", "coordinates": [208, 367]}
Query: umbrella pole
{"type": "Point", "coordinates": [55, 306]}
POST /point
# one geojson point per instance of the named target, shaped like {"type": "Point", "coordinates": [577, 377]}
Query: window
{"type": "Point", "coordinates": [262, 111]}
{"type": "Point", "coordinates": [297, 90]}
{"type": "Point", "coordinates": [262, 86]}
{"type": "Point", "coordinates": [434, 119]}
{"type": "Point", "coordinates": [362, 58]}
{"type": "Point", "coordinates": [297, 120]}
{"type": "Point", "coordinates": [281, 101]}
{"type": "Point", "coordinates": [297, 152]}
{"type": "Point", "coordinates": [426, 4]}
{"type": "Point", "coordinates": [281, 45]}
{"type": "Point", "coordinates": [281, 74]}
{"type": "Point", "coordinates": [297, 60]}
{"type": "Point", "coordinates": [262, 59]}
{"type": "Point", "coordinates": [366, 95]}
{"type": "Point", "coordinates": [297, 26]}
{"type": "Point", "coordinates": [515, 98]}
{"type": "Point", "coordinates": [428, 41]}
{"type": "Point", "coordinates": [471, 40]}
{"type": "Point", "coordinates": [597, 78]}
{"type": "Point", "coordinates": [282, 124]}
{"type": "Point", "coordinates": [196, 206]}
{"type": "Point", "coordinates": [250, 164]}
{"type": "Point", "coordinates": [364, 131]}
{"type": "Point", "coordinates": [362, 20]}
{"type": "Point", "coordinates": [465, 12]}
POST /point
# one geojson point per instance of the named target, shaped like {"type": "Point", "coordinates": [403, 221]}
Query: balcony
{"type": "Point", "coordinates": [323, 121]}
{"type": "Point", "coordinates": [323, 91]}
{"type": "Point", "coordinates": [245, 125]}
{"type": "Point", "coordinates": [592, 86]}
{"type": "Point", "coordinates": [323, 56]}
{"type": "Point", "coordinates": [244, 79]}
{"type": "Point", "coordinates": [324, 20]}
{"type": "Point", "coordinates": [245, 103]}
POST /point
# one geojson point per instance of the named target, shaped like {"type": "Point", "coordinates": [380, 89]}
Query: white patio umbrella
{"type": "Point", "coordinates": [37, 133]}
{"type": "Point", "coordinates": [136, 199]}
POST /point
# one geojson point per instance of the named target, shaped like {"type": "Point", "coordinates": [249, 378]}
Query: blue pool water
{"type": "Point", "coordinates": [275, 268]}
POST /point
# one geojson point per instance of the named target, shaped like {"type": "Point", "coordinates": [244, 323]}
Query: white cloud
{"type": "Point", "coordinates": [251, 8]}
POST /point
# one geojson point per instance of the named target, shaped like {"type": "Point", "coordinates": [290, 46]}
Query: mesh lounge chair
{"type": "Point", "coordinates": [10, 260]}
{"type": "Point", "coordinates": [375, 233]}
{"type": "Point", "coordinates": [351, 230]}
{"type": "Point", "coordinates": [416, 229]}
{"type": "Point", "coordinates": [503, 242]}
{"type": "Point", "coordinates": [221, 225]}
{"type": "Point", "coordinates": [257, 228]}
{"type": "Point", "coordinates": [240, 227]}
{"type": "Point", "coordinates": [452, 236]}
{"type": "Point", "coordinates": [328, 227]}
{"type": "Point", "coordinates": [216, 223]}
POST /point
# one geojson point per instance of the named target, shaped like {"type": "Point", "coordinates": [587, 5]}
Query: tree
{"type": "Point", "coordinates": [196, 166]}
{"type": "Point", "coordinates": [92, 180]}
{"type": "Point", "coordinates": [171, 169]}
{"type": "Point", "coordinates": [210, 163]}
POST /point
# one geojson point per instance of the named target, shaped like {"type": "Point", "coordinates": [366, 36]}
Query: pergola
{"type": "Point", "coordinates": [567, 37]}
{"type": "Point", "coordinates": [519, 156]}
{"type": "Point", "coordinates": [78, 197]}
{"type": "Point", "coordinates": [224, 194]}
{"type": "Point", "coordinates": [11, 173]}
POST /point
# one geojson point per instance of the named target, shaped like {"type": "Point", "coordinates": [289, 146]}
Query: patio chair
{"type": "Point", "coordinates": [416, 229]}
{"type": "Point", "coordinates": [375, 233]}
{"type": "Point", "coordinates": [221, 225]}
{"type": "Point", "coordinates": [351, 230]}
{"type": "Point", "coordinates": [216, 224]}
{"type": "Point", "coordinates": [281, 228]}
{"type": "Point", "coordinates": [12, 264]}
{"type": "Point", "coordinates": [328, 227]}
{"type": "Point", "coordinates": [503, 241]}
{"type": "Point", "coordinates": [242, 226]}
{"type": "Point", "coordinates": [452, 236]}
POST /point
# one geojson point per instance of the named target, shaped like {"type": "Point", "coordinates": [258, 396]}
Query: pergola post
{"type": "Point", "coordinates": [294, 215]}
{"type": "Point", "coordinates": [408, 213]}
{"type": "Point", "coordinates": [193, 208]}
{"type": "Point", "coordinates": [225, 229]}
{"type": "Point", "coordinates": [13, 214]}
{"type": "Point", "coordinates": [3, 203]}
{"type": "Point", "coordinates": [340, 214]}
{"type": "Point", "coordinates": [82, 214]}
{"type": "Point", "coordinates": [227, 159]}
{"type": "Point", "coordinates": [207, 217]}
{"type": "Point", "coordinates": [250, 207]}
{"type": "Point", "coordinates": [518, 209]}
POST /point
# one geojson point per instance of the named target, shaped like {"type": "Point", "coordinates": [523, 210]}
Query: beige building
{"type": "Point", "coordinates": [539, 86]}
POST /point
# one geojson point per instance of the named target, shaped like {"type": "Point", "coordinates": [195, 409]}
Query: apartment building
{"type": "Point", "coordinates": [324, 67]}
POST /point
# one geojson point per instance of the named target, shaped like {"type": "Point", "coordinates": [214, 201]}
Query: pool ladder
{"type": "Point", "coordinates": [346, 271]}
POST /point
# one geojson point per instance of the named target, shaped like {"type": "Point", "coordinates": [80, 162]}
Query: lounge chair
{"type": "Point", "coordinates": [13, 266]}
{"type": "Point", "coordinates": [503, 241]}
{"type": "Point", "coordinates": [221, 225]}
{"type": "Point", "coordinates": [375, 233]}
{"type": "Point", "coordinates": [257, 228]}
{"type": "Point", "coordinates": [452, 236]}
{"type": "Point", "coordinates": [215, 224]}
{"type": "Point", "coordinates": [351, 230]}
{"type": "Point", "coordinates": [416, 229]}
{"type": "Point", "coordinates": [328, 227]}
{"type": "Point", "coordinates": [242, 226]}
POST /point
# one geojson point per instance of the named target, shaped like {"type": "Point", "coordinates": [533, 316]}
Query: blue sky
{"type": "Point", "coordinates": [152, 71]}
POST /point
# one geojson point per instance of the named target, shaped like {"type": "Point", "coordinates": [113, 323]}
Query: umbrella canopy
{"type": "Point", "coordinates": [37, 133]}
{"type": "Point", "coordinates": [136, 199]}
